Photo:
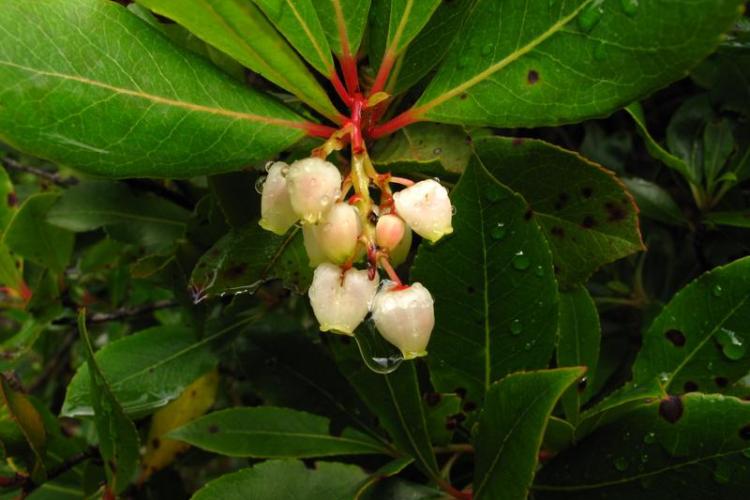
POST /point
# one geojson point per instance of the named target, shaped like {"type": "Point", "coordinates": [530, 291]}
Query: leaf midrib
{"type": "Point", "coordinates": [308, 33]}
{"type": "Point", "coordinates": [305, 435]}
{"type": "Point", "coordinates": [124, 215]}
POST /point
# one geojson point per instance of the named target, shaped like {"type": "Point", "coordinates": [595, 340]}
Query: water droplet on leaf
{"type": "Point", "coordinates": [591, 15]}
{"type": "Point", "coordinates": [521, 261]}
{"type": "Point", "coordinates": [621, 463]}
{"type": "Point", "coordinates": [487, 49]}
{"type": "Point", "coordinates": [498, 232]}
{"type": "Point", "coordinates": [649, 438]}
{"type": "Point", "coordinates": [630, 7]}
{"type": "Point", "coordinates": [717, 290]}
{"type": "Point", "coordinates": [732, 345]}
{"type": "Point", "coordinates": [516, 327]}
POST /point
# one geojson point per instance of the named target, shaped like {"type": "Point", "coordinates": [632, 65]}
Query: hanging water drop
{"type": "Point", "coordinates": [498, 232]}
{"type": "Point", "coordinates": [591, 15]}
{"type": "Point", "coordinates": [259, 184]}
{"type": "Point", "coordinates": [521, 261]}
{"type": "Point", "coordinates": [516, 327]}
{"type": "Point", "coordinates": [378, 354]}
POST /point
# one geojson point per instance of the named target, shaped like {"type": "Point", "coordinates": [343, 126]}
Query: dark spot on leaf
{"type": "Point", "coordinates": [587, 192]}
{"type": "Point", "coordinates": [582, 384]}
{"type": "Point", "coordinates": [469, 406]}
{"type": "Point", "coordinates": [615, 211]}
{"type": "Point", "coordinates": [670, 409]}
{"type": "Point", "coordinates": [470, 290]}
{"type": "Point", "coordinates": [310, 463]}
{"type": "Point", "coordinates": [235, 271]}
{"type": "Point", "coordinates": [533, 76]}
{"type": "Point", "coordinates": [558, 231]}
{"type": "Point", "coordinates": [562, 200]}
{"type": "Point", "coordinates": [432, 398]}
{"type": "Point", "coordinates": [588, 222]}
{"type": "Point", "coordinates": [155, 443]}
{"type": "Point", "coordinates": [676, 337]}
{"type": "Point", "coordinates": [464, 96]}
{"type": "Point", "coordinates": [460, 392]}
{"type": "Point", "coordinates": [745, 432]}
{"type": "Point", "coordinates": [721, 381]}
{"type": "Point", "coordinates": [528, 214]}
{"type": "Point", "coordinates": [517, 141]}
{"type": "Point", "coordinates": [213, 429]}
{"type": "Point", "coordinates": [193, 393]}
{"type": "Point", "coordinates": [556, 269]}
{"type": "Point", "coordinates": [690, 386]}
{"type": "Point", "coordinates": [12, 200]}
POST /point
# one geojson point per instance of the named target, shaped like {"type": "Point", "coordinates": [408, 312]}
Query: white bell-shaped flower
{"type": "Point", "coordinates": [425, 206]}
{"type": "Point", "coordinates": [315, 254]}
{"type": "Point", "coordinates": [340, 303]}
{"type": "Point", "coordinates": [405, 316]}
{"type": "Point", "coordinates": [314, 185]}
{"type": "Point", "coordinates": [338, 232]}
{"type": "Point", "coordinates": [276, 210]}
{"type": "Point", "coordinates": [389, 231]}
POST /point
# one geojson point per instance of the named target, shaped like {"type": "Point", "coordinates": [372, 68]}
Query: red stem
{"type": "Point", "coordinates": [318, 130]}
{"type": "Point", "coordinates": [383, 72]}
{"type": "Point", "coordinates": [406, 118]}
{"type": "Point", "coordinates": [358, 144]}
{"type": "Point", "coordinates": [340, 89]}
{"type": "Point", "coordinates": [349, 68]}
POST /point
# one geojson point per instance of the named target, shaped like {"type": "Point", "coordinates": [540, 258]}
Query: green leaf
{"type": "Point", "coordinates": [579, 335]}
{"type": "Point", "coordinates": [655, 202]}
{"type": "Point", "coordinates": [394, 398]}
{"type": "Point", "coordinates": [246, 258]}
{"type": "Point", "coordinates": [344, 23]}
{"type": "Point", "coordinates": [30, 237]}
{"type": "Point", "coordinates": [93, 204]}
{"type": "Point", "coordinates": [239, 28]}
{"type": "Point", "coordinates": [298, 21]}
{"type": "Point", "coordinates": [424, 150]}
{"type": "Point", "coordinates": [285, 479]}
{"type": "Point", "coordinates": [430, 46]}
{"type": "Point", "coordinates": [25, 418]}
{"type": "Point", "coordinates": [118, 438]}
{"type": "Point", "coordinates": [136, 111]}
{"type": "Point", "coordinates": [10, 275]}
{"type": "Point", "coordinates": [8, 200]}
{"type": "Point", "coordinates": [586, 214]}
{"type": "Point", "coordinates": [268, 432]}
{"type": "Point", "coordinates": [718, 144]}
{"type": "Point", "coordinates": [526, 63]}
{"type": "Point", "coordinates": [494, 289]}
{"type": "Point", "coordinates": [406, 18]}
{"type": "Point", "coordinates": [700, 339]}
{"type": "Point", "coordinates": [734, 219]}
{"type": "Point", "coordinates": [511, 429]}
{"type": "Point", "coordinates": [679, 447]}
{"type": "Point", "coordinates": [685, 134]}
{"type": "Point", "coordinates": [145, 370]}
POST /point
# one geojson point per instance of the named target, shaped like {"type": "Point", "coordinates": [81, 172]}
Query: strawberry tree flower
{"type": "Point", "coordinates": [425, 206]}
{"type": "Point", "coordinates": [337, 234]}
{"type": "Point", "coordinates": [404, 315]}
{"type": "Point", "coordinates": [341, 299]}
{"type": "Point", "coordinates": [393, 235]}
{"type": "Point", "coordinates": [315, 254]}
{"type": "Point", "coordinates": [276, 210]}
{"type": "Point", "coordinates": [314, 185]}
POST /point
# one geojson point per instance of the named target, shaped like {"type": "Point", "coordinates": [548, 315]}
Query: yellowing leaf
{"type": "Point", "coordinates": [23, 413]}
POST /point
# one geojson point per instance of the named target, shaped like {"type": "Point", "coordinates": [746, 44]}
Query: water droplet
{"type": "Point", "coordinates": [717, 290]}
{"type": "Point", "coordinates": [621, 463]}
{"type": "Point", "coordinates": [259, 184]}
{"type": "Point", "coordinates": [539, 271]}
{"type": "Point", "coordinates": [268, 165]}
{"type": "Point", "coordinates": [437, 152]}
{"type": "Point", "coordinates": [663, 377]}
{"type": "Point", "coordinates": [453, 209]}
{"type": "Point", "coordinates": [644, 458]}
{"type": "Point", "coordinates": [529, 345]}
{"type": "Point", "coordinates": [630, 7]}
{"type": "Point", "coordinates": [600, 52]}
{"type": "Point", "coordinates": [732, 345]}
{"type": "Point", "coordinates": [649, 438]}
{"type": "Point", "coordinates": [516, 327]}
{"type": "Point", "coordinates": [591, 15]}
{"type": "Point", "coordinates": [378, 354]}
{"type": "Point", "coordinates": [498, 232]}
{"type": "Point", "coordinates": [521, 261]}
{"type": "Point", "coordinates": [487, 49]}
{"type": "Point", "coordinates": [463, 62]}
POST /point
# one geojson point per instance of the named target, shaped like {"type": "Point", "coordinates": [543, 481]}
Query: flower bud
{"type": "Point", "coordinates": [405, 317]}
{"type": "Point", "coordinates": [314, 184]}
{"type": "Point", "coordinates": [312, 245]}
{"type": "Point", "coordinates": [341, 306]}
{"type": "Point", "coordinates": [425, 206]}
{"type": "Point", "coordinates": [401, 252]}
{"type": "Point", "coordinates": [389, 231]}
{"type": "Point", "coordinates": [338, 232]}
{"type": "Point", "coordinates": [276, 211]}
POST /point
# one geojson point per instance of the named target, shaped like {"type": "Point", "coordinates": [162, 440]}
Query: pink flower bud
{"type": "Point", "coordinates": [405, 317]}
{"type": "Point", "coordinates": [425, 206]}
{"type": "Point", "coordinates": [276, 211]}
{"type": "Point", "coordinates": [338, 232]}
{"type": "Point", "coordinates": [312, 245]}
{"type": "Point", "coordinates": [401, 252]}
{"type": "Point", "coordinates": [314, 184]}
{"type": "Point", "coordinates": [389, 231]}
{"type": "Point", "coordinates": [341, 307]}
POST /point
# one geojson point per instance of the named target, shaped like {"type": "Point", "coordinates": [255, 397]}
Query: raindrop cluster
{"type": "Point", "coordinates": [356, 226]}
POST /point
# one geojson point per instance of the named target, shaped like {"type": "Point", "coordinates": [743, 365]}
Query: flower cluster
{"type": "Point", "coordinates": [342, 230]}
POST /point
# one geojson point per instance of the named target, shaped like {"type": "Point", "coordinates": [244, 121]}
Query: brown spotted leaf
{"type": "Point", "coordinates": [586, 214]}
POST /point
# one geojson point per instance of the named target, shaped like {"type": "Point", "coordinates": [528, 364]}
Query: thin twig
{"type": "Point", "coordinates": [56, 362]}
{"type": "Point", "coordinates": [52, 177]}
{"type": "Point", "coordinates": [122, 313]}
{"type": "Point", "coordinates": [69, 463]}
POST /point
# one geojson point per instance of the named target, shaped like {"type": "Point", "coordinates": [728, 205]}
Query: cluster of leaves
{"type": "Point", "coordinates": [153, 338]}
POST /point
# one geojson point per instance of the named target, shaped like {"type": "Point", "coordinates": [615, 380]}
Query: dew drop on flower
{"type": "Point", "coordinates": [259, 184]}
{"type": "Point", "coordinates": [378, 354]}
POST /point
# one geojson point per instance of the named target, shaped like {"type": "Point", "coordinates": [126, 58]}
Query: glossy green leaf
{"type": "Point", "coordinates": [558, 435]}
{"type": "Point", "coordinates": [511, 428]}
{"type": "Point", "coordinates": [430, 46]}
{"type": "Point", "coordinates": [390, 469]}
{"type": "Point", "coordinates": [494, 289]}
{"type": "Point", "coordinates": [655, 202]}
{"type": "Point", "coordinates": [692, 447]}
{"type": "Point", "coordinates": [424, 150]}
{"type": "Point", "coordinates": [700, 339]}
{"type": "Point", "coordinates": [718, 144]}
{"type": "Point", "coordinates": [285, 479]}
{"type": "Point", "coordinates": [439, 411]}
{"type": "Point", "coordinates": [394, 398]}
{"type": "Point", "coordinates": [585, 212]}
{"type": "Point", "coordinates": [29, 236]}
{"type": "Point", "coordinates": [344, 23]}
{"type": "Point", "coordinates": [525, 63]}
{"type": "Point", "coordinates": [734, 219]}
{"type": "Point", "coordinates": [298, 21]}
{"type": "Point", "coordinates": [118, 438]}
{"type": "Point", "coordinates": [95, 204]}
{"type": "Point", "coordinates": [239, 28]}
{"type": "Point", "coordinates": [269, 432]}
{"type": "Point", "coordinates": [406, 18]}
{"type": "Point", "coordinates": [578, 340]}
{"type": "Point", "coordinates": [685, 134]}
{"type": "Point", "coordinates": [117, 99]}
{"type": "Point", "coordinates": [247, 257]}
{"type": "Point", "coordinates": [145, 370]}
